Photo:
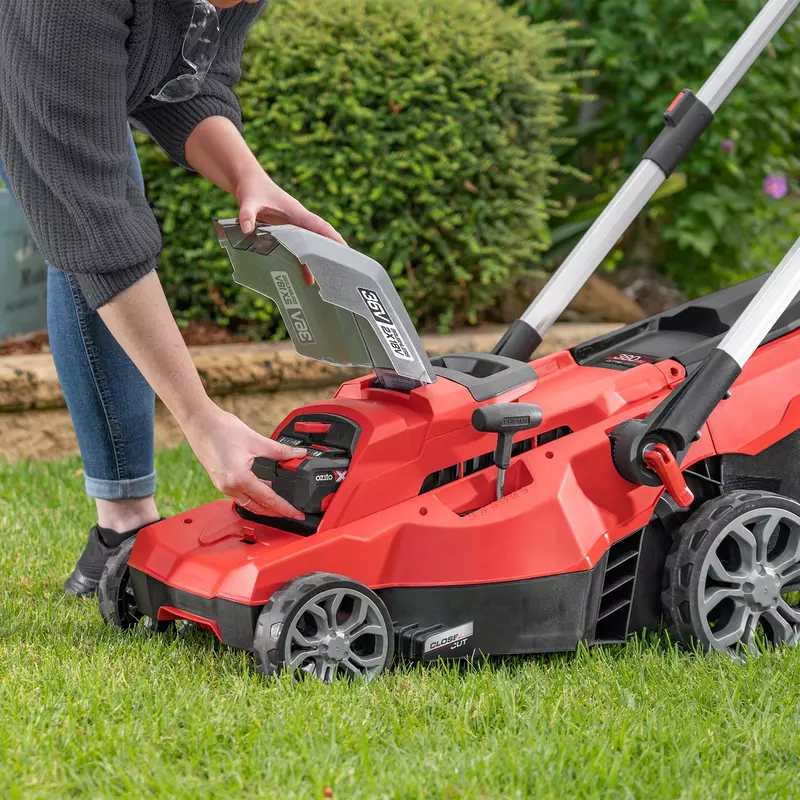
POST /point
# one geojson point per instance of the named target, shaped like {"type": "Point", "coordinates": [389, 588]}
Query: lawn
{"type": "Point", "coordinates": [88, 712]}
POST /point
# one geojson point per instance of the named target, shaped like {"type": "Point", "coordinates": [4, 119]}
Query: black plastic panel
{"type": "Point", "coordinates": [302, 527]}
{"type": "Point", "coordinates": [485, 375]}
{"type": "Point", "coordinates": [645, 611]}
{"type": "Point", "coordinates": [539, 615]}
{"type": "Point", "coordinates": [685, 334]}
{"type": "Point", "coordinates": [236, 622]}
{"type": "Point", "coordinates": [771, 470]}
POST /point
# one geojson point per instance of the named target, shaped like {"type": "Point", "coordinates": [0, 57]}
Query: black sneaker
{"type": "Point", "coordinates": [102, 544]}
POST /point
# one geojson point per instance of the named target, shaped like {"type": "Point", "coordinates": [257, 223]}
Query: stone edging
{"type": "Point", "coordinates": [29, 383]}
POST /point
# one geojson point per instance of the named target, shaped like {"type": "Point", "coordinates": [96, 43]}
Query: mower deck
{"type": "Point", "coordinates": [481, 503]}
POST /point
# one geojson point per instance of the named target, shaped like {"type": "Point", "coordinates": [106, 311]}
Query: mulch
{"type": "Point", "coordinates": [197, 333]}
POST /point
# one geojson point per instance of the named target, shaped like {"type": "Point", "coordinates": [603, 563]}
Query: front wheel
{"type": "Point", "coordinates": [324, 626]}
{"type": "Point", "coordinates": [117, 600]}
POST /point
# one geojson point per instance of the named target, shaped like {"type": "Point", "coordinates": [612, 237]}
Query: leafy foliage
{"type": "Point", "coordinates": [721, 227]}
{"type": "Point", "coordinates": [422, 130]}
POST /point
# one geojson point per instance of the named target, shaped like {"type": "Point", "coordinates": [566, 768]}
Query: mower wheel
{"type": "Point", "coordinates": [732, 568]}
{"type": "Point", "coordinates": [325, 626]}
{"type": "Point", "coordinates": [117, 601]}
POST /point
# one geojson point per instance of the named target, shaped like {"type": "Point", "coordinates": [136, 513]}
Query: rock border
{"type": "Point", "coordinates": [30, 383]}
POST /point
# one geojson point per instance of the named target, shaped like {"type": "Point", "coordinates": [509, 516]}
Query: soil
{"type": "Point", "coordinates": [25, 346]}
{"type": "Point", "coordinates": [197, 333]}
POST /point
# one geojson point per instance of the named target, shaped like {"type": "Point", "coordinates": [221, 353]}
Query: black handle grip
{"type": "Point", "coordinates": [506, 417]}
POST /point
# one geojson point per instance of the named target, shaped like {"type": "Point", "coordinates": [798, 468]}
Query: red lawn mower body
{"type": "Point", "coordinates": [533, 572]}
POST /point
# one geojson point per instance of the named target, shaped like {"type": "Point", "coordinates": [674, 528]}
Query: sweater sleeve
{"type": "Point", "coordinates": [63, 140]}
{"type": "Point", "coordinates": [171, 124]}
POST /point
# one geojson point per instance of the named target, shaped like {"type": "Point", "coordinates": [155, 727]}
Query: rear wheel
{"type": "Point", "coordinates": [117, 600]}
{"type": "Point", "coordinates": [324, 626]}
{"type": "Point", "coordinates": [734, 568]}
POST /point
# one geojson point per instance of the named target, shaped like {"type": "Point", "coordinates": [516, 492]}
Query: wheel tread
{"type": "Point", "coordinates": [278, 607]}
{"type": "Point", "coordinates": [686, 545]}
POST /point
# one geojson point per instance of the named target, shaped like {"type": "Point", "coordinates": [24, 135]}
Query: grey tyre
{"type": "Point", "coordinates": [731, 571]}
{"type": "Point", "coordinates": [324, 626]}
{"type": "Point", "coordinates": [116, 597]}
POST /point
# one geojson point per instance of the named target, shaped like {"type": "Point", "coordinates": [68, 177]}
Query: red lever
{"type": "Point", "coordinates": [292, 464]}
{"type": "Point", "coordinates": [663, 463]}
{"type": "Point", "coordinates": [675, 101]}
{"type": "Point", "coordinates": [312, 427]}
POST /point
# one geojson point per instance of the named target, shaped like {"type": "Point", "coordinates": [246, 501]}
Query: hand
{"type": "Point", "coordinates": [260, 198]}
{"type": "Point", "coordinates": [226, 447]}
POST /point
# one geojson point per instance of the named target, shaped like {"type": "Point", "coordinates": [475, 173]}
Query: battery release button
{"type": "Point", "coordinates": [312, 427]}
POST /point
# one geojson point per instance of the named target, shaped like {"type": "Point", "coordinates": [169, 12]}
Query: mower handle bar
{"type": "Point", "coordinates": [765, 309]}
{"type": "Point", "coordinates": [657, 164]}
{"type": "Point", "coordinates": [679, 418]}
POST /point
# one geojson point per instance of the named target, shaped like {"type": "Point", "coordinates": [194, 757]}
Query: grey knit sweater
{"type": "Point", "coordinates": [72, 74]}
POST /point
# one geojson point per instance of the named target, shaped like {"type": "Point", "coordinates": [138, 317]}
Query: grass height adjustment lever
{"type": "Point", "coordinates": [505, 419]}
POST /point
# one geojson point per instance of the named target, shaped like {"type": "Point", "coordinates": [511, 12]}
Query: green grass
{"type": "Point", "coordinates": [88, 712]}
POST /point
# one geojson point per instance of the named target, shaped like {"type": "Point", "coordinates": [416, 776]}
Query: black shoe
{"type": "Point", "coordinates": [102, 544]}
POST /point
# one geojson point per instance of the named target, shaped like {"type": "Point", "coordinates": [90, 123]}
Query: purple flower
{"type": "Point", "coordinates": [776, 186]}
{"type": "Point", "coordinates": [727, 145]}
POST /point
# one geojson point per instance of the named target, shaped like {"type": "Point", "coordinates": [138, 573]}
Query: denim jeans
{"type": "Point", "coordinates": [111, 405]}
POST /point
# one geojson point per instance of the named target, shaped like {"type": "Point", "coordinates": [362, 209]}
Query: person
{"type": "Point", "coordinates": [74, 75]}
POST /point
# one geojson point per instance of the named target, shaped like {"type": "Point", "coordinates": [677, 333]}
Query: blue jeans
{"type": "Point", "coordinates": [111, 405]}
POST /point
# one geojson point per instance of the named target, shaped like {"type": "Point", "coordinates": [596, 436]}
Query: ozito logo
{"type": "Point", "coordinates": [628, 360]}
{"type": "Point", "coordinates": [386, 325]}
{"type": "Point", "coordinates": [338, 475]}
{"type": "Point", "coordinates": [294, 311]}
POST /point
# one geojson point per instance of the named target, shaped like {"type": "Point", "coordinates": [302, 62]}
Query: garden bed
{"type": "Point", "coordinates": [259, 382]}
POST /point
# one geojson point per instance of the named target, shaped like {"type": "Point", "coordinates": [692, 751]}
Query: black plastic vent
{"type": "Point", "coordinates": [452, 473]}
{"type": "Point", "coordinates": [551, 436]}
{"type": "Point", "coordinates": [618, 584]}
{"type": "Point", "coordinates": [439, 478]}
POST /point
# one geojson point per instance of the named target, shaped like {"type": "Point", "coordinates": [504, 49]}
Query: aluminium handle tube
{"type": "Point", "coordinates": [635, 193]}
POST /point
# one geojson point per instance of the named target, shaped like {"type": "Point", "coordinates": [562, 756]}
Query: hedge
{"type": "Point", "coordinates": [719, 225]}
{"type": "Point", "coordinates": [423, 130]}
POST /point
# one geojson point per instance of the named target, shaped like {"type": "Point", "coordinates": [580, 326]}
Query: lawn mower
{"type": "Point", "coordinates": [484, 503]}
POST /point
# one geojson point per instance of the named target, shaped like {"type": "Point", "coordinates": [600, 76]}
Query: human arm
{"type": "Point", "coordinates": [63, 141]}
{"type": "Point", "coordinates": [141, 321]}
{"type": "Point", "coordinates": [218, 152]}
{"type": "Point", "coordinates": [203, 133]}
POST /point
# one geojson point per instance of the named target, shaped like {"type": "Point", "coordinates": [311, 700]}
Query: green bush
{"type": "Point", "coordinates": [422, 130]}
{"type": "Point", "coordinates": [721, 227]}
